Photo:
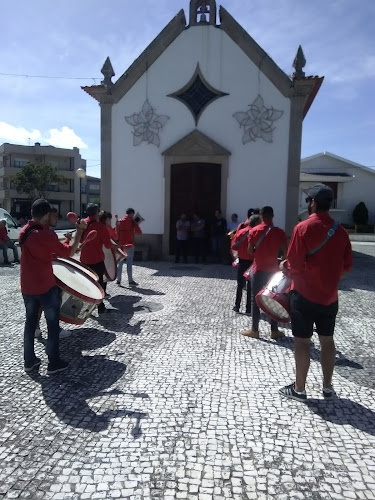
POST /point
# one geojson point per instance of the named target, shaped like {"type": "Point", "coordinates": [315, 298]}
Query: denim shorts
{"type": "Point", "coordinates": [304, 314]}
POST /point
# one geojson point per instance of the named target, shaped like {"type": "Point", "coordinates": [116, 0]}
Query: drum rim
{"type": "Point", "coordinates": [65, 319]}
{"type": "Point", "coordinates": [73, 292]}
{"type": "Point", "coordinates": [110, 278]}
{"type": "Point", "coordinates": [270, 313]}
{"type": "Point", "coordinates": [75, 261]}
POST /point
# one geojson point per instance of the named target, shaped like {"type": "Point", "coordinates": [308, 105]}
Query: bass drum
{"type": "Point", "coordinates": [112, 256]}
{"type": "Point", "coordinates": [81, 267]}
{"type": "Point", "coordinates": [80, 293]}
{"type": "Point", "coordinates": [273, 299]}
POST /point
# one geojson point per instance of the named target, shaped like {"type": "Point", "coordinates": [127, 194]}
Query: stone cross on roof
{"type": "Point", "coordinates": [299, 63]}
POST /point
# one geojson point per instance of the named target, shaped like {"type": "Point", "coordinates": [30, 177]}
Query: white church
{"type": "Point", "coordinates": [203, 119]}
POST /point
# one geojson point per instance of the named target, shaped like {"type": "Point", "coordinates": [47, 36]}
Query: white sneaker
{"type": "Point", "coordinates": [38, 333]}
{"type": "Point", "coordinates": [64, 334]}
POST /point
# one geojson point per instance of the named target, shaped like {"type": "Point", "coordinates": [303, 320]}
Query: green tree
{"type": "Point", "coordinates": [37, 180]}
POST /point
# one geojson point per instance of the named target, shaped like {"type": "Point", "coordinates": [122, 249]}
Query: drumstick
{"type": "Point", "coordinates": [128, 245]}
{"type": "Point", "coordinates": [91, 235]}
{"type": "Point", "coordinates": [72, 217]}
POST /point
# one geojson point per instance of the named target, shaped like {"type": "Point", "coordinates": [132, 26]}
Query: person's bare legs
{"type": "Point", "coordinates": [327, 359]}
{"type": "Point", "coordinates": [302, 358]}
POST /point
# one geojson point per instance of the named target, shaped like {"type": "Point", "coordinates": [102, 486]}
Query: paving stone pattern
{"type": "Point", "coordinates": [165, 400]}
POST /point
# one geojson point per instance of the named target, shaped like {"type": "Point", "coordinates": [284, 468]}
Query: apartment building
{"type": "Point", "coordinates": [91, 190]}
{"type": "Point", "coordinates": [66, 197]}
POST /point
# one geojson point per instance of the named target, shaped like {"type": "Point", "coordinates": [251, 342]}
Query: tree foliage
{"type": "Point", "coordinates": [360, 214]}
{"type": "Point", "coordinates": [35, 180]}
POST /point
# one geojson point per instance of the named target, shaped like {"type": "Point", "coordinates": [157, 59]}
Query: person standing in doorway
{"type": "Point", "coordinates": [183, 227]}
{"type": "Point", "coordinates": [218, 233]}
{"type": "Point", "coordinates": [265, 243]}
{"type": "Point", "coordinates": [319, 255]}
{"type": "Point", "coordinates": [126, 228]}
{"type": "Point", "coordinates": [198, 237]}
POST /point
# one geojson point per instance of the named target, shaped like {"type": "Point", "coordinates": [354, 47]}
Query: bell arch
{"type": "Point", "coordinates": [202, 12]}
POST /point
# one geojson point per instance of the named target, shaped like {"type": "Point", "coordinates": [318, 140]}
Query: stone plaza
{"type": "Point", "coordinates": [163, 399]}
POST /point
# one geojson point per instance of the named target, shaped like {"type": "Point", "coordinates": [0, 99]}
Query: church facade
{"type": "Point", "coordinates": [203, 119]}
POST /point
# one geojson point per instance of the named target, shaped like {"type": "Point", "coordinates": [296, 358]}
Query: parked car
{"type": "Point", "coordinates": [12, 226]}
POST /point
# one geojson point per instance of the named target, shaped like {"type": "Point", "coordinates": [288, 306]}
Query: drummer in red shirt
{"type": "Point", "coordinates": [106, 218]}
{"type": "Point", "coordinates": [319, 255]}
{"type": "Point", "coordinates": [127, 227]}
{"type": "Point", "coordinates": [92, 252]}
{"type": "Point", "coordinates": [240, 247]}
{"type": "Point", "coordinates": [265, 243]}
{"type": "Point", "coordinates": [39, 244]}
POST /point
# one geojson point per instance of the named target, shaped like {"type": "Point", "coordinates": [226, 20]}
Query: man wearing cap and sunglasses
{"type": "Point", "coordinates": [319, 255]}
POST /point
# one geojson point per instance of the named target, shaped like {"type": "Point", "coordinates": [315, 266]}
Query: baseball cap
{"type": "Point", "coordinates": [320, 192]}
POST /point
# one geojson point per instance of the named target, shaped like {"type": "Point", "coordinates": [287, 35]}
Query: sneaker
{"type": "Point", "coordinates": [289, 392]}
{"type": "Point", "coordinates": [118, 282]}
{"type": "Point", "coordinates": [57, 367]}
{"type": "Point", "coordinates": [33, 366]}
{"type": "Point", "coordinates": [64, 334]}
{"type": "Point", "coordinates": [329, 393]}
{"type": "Point", "coordinates": [236, 309]}
{"type": "Point", "coordinates": [133, 283]}
{"type": "Point", "coordinates": [276, 334]}
{"type": "Point", "coordinates": [38, 333]}
{"type": "Point", "coordinates": [254, 334]}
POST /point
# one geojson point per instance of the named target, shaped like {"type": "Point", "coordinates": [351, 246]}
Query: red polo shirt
{"type": "Point", "coordinates": [265, 256]}
{"type": "Point", "coordinates": [112, 232]}
{"type": "Point", "coordinates": [317, 277]}
{"type": "Point", "coordinates": [242, 247]}
{"type": "Point", "coordinates": [36, 259]}
{"type": "Point", "coordinates": [92, 252]}
{"type": "Point", "coordinates": [126, 229]}
{"type": "Point", "coordinates": [3, 234]}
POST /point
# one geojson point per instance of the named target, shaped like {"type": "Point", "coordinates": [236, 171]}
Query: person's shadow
{"type": "Point", "coordinates": [344, 412]}
{"type": "Point", "coordinates": [117, 317]}
{"type": "Point", "coordinates": [87, 378]}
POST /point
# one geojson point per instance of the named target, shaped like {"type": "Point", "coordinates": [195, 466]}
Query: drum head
{"type": "Point", "coordinates": [76, 282]}
{"type": "Point", "coordinates": [81, 267]}
{"type": "Point", "coordinates": [273, 308]}
{"type": "Point", "coordinates": [110, 264]}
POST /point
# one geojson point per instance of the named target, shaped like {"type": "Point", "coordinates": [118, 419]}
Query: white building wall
{"type": "Point", "coordinates": [257, 170]}
{"type": "Point", "coordinates": [349, 194]}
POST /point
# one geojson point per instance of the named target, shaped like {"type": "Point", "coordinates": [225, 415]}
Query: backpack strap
{"type": "Point", "coordinates": [263, 236]}
{"type": "Point", "coordinates": [330, 233]}
{"type": "Point", "coordinates": [28, 231]}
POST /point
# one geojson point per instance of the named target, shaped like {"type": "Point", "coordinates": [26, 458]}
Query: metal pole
{"type": "Point", "coordinates": [80, 197]}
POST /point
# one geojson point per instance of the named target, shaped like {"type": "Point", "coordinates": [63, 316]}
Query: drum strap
{"type": "Point", "coordinates": [330, 233]}
{"type": "Point", "coordinates": [265, 232]}
{"type": "Point", "coordinates": [28, 231]}
{"type": "Point", "coordinates": [241, 240]}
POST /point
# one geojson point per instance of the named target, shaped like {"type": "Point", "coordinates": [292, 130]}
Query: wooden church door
{"type": "Point", "coordinates": [195, 187]}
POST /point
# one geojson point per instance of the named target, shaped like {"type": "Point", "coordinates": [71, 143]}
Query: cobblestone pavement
{"type": "Point", "coordinates": [164, 399]}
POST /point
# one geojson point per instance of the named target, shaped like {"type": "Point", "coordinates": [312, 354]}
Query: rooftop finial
{"type": "Point", "coordinates": [108, 73]}
{"type": "Point", "coordinates": [299, 63]}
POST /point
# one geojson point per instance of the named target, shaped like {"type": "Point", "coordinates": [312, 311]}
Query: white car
{"type": "Point", "coordinates": [12, 226]}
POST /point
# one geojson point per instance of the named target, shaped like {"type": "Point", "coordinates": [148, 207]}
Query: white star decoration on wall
{"type": "Point", "coordinates": [257, 121]}
{"type": "Point", "coordinates": [147, 125]}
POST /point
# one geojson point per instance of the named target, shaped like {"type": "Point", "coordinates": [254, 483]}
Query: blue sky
{"type": "Point", "coordinates": [72, 38]}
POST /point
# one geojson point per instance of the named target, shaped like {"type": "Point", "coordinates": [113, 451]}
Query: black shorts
{"type": "Point", "coordinates": [304, 314]}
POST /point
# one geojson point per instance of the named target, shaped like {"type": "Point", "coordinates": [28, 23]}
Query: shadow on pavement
{"type": "Point", "coordinates": [192, 270]}
{"type": "Point", "coordinates": [87, 378]}
{"type": "Point", "coordinates": [344, 412]}
{"type": "Point", "coordinates": [118, 316]}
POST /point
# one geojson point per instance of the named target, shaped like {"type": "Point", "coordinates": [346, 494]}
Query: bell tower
{"type": "Point", "coordinates": [202, 12]}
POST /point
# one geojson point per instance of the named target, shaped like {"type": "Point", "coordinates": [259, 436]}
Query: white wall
{"type": "Point", "coordinates": [361, 188]}
{"type": "Point", "coordinates": [257, 170]}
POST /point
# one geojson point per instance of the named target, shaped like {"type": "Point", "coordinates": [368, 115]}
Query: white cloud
{"type": "Point", "coordinates": [64, 138]}
{"type": "Point", "coordinates": [18, 135]}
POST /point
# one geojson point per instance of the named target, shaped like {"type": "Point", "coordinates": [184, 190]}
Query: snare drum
{"type": "Point", "coordinates": [273, 299]}
{"type": "Point", "coordinates": [112, 256]}
{"type": "Point", "coordinates": [80, 293]}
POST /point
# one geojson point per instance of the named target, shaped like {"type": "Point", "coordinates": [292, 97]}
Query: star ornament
{"type": "Point", "coordinates": [257, 122]}
{"type": "Point", "coordinates": [147, 125]}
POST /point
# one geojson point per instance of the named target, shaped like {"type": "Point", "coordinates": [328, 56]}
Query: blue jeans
{"type": "Point", "coordinates": [50, 303]}
{"type": "Point", "coordinates": [129, 266]}
{"type": "Point", "coordinates": [5, 246]}
{"type": "Point", "coordinates": [217, 245]}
